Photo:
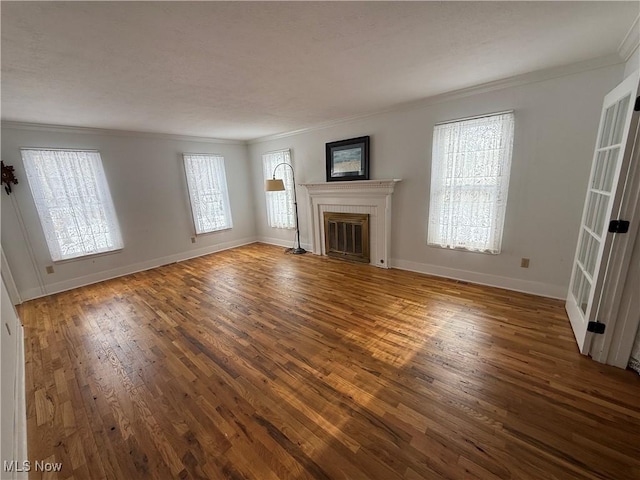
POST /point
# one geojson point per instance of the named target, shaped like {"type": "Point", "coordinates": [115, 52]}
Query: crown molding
{"type": "Point", "coordinates": [509, 82]}
{"type": "Point", "coordinates": [631, 41]}
{"type": "Point", "coordinates": [105, 131]}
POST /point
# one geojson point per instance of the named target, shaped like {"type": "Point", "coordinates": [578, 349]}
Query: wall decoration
{"type": "Point", "coordinates": [348, 160]}
{"type": "Point", "coordinates": [8, 177]}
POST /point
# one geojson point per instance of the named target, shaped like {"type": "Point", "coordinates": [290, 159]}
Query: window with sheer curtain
{"type": "Point", "coordinates": [469, 182]}
{"type": "Point", "coordinates": [72, 198]}
{"type": "Point", "coordinates": [207, 184]}
{"type": "Point", "coordinates": [280, 208]}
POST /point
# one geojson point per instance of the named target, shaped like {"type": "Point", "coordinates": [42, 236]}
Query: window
{"type": "Point", "coordinates": [280, 209]}
{"type": "Point", "coordinates": [207, 185]}
{"type": "Point", "coordinates": [469, 182]}
{"type": "Point", "coordinates": [73, 202]}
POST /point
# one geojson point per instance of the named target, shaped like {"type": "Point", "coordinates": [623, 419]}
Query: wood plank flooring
{"type": "Point", "coordinates": [253, 364]}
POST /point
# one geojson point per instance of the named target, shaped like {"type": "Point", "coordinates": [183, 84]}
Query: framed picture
{"type": "Point", "coordinates": [348, 160]}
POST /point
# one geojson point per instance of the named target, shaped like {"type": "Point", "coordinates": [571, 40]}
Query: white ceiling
{"type": "Point", "coordinates": [242, 70]}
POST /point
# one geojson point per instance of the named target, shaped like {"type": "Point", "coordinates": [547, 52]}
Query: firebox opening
{"type": "Point", "coordinates": [346, 236]}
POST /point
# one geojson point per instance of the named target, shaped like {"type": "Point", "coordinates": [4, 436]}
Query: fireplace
{"type": "Point", "coordinates": [346, 236]}
{"type": "Point", "coordinates": [370, 197]}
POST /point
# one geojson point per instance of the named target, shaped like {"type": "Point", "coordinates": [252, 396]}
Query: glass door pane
{"type": "Point", "coordinates": [619, 125]}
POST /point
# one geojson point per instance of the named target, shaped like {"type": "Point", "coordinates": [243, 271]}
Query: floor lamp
{"type": "Point", "coordinates": [277, 185]}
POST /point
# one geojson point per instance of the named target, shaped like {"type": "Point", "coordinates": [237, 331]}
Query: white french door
{"type": "Point", "coordinates": [608, 175]}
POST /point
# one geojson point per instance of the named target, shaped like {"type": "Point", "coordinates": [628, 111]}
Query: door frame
{"type": "Point", "coordinates": [7, 276]}
{"type": "Point", "coordinates": [621, 324]}
{"type": "Point", "coordinates": [609, 271]}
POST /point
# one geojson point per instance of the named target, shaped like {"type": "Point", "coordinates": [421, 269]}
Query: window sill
{"type": "Point", "coordinates": [214, 231]}
{"type": "Point", "coordinates": [87, 257]}
{"type": "Point", "coordinates": [463, 249]}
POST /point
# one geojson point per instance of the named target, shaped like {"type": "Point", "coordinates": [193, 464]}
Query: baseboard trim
{"type": "Point", "coordinates": [31, 294]}
{"type": "Point", "coordinates": [284, 243]}
{"type": "Point", "coordinates": [78, 282]}
{"type": "Point", "coordinates": [517, 285]}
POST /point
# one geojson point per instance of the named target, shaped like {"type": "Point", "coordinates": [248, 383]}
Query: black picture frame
{"type": "Point", "coordinates": [348, 159]}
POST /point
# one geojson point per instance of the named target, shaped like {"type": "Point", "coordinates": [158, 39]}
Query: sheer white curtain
{"type": "Point", "coordinates": [73, 202]}
{"type": "Point", "coordinates": [207, 183]}
{"type": "Point", "coordinates": [280, 209]}
{"type": "Point", "coordinates": [469, 182]}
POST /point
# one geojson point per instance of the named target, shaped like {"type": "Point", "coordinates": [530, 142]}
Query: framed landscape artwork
{"type": "Point", "coordinates": [348, 159]}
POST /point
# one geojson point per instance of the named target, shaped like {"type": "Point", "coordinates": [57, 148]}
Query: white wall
{"type": "Point", "coordinates": [148, 186]}
{"type": "Point", "coordinates": [556, 125]}
{"type": "Point", "coordinates": [633, 63]}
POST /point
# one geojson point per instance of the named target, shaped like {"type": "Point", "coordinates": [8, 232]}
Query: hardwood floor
{"type": "Point", "coordinates": [254, 364]}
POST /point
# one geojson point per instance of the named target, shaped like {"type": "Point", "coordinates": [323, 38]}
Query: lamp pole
{"type": "Point", "coordinates": [297, 250]}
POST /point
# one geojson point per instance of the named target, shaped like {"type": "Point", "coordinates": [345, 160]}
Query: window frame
{"type": "Point", "coordinates": [286, 174]}
{"type": "Point", "coordinates": [222, 186]}
{"type": "Point", "coordinates": [38, 186]}
{"type": "Point", "coordinates": [443, 181]}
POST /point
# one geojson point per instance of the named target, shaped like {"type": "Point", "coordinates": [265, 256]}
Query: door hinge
{"type": "Point", "coordinates": [595, 327]}
{"type": "Point", "coordinates": [618, 226]}
{"type": "Point", "coordinates": [636, 107]}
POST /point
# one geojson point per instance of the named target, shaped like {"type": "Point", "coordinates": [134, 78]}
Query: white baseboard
{"type": "Point", "coordinates": [284, 243]}
{"type": "Point", "coordinates": [31, 293]}
{"type": "Point", "coordinates": [65, 285]}
{"type": "Point", "coordinates": [515, 284]}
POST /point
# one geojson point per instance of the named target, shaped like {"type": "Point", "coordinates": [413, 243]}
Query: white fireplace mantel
{"type": "Point", "coordinates": [359, 196]}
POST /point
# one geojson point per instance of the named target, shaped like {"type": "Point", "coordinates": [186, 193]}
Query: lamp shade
{"type": "Point", "coordinates": [274, 185]}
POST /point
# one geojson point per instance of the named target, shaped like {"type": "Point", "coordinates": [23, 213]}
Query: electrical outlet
{"type": "Point", "coordinates": [524, 263]}
{"type": "Point", "coordinates": [49, 268]}
{"type": "Point", "coordinates": [193, 239]}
